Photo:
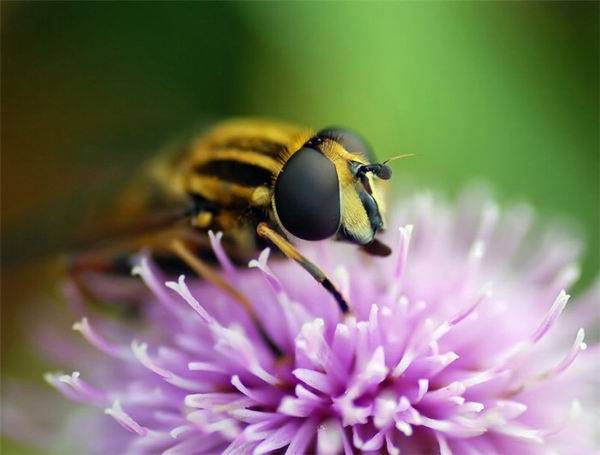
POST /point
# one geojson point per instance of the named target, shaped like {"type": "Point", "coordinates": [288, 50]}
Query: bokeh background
{"type": "Point", "coordinates": [502, 92]}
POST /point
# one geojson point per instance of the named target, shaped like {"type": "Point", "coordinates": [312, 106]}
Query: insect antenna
{"type": "Point", "coordinates": [398, 157]}
{"type": "Point", "coordinates": [381, 170]}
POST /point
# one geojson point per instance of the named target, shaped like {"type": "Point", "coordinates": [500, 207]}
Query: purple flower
{"type": "Point", "coordinates": [454, 344]}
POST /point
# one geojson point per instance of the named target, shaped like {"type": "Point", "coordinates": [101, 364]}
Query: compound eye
{"type": "Point", "coordinates": [351, 141]}
{"type": "Point", "coordinates": [307, 195]}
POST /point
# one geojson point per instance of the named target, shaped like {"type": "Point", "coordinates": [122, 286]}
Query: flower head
{"type": "Point", "coordinates": [454, 344]}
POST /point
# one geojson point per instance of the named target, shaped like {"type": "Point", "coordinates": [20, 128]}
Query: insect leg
{"type": "Point", "coordinates": [291, 252]}
{"type": "Point", "coordinates": [206, 272]}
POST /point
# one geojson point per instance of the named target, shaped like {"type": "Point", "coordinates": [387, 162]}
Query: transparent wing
{"type": "Point", "coordinates": [119, 200]}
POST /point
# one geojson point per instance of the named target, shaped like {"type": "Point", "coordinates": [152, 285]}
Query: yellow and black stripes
{"type": "Point", "coordinates": [236, 172]}
{"type": "Point", "coordinates": [235, 165]}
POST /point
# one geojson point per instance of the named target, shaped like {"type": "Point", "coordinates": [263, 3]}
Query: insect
{"type": "Point", "coordinates": [258, 182]}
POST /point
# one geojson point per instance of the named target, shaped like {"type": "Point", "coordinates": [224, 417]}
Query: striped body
{"type": "Point", "coordinates": [234, 166]}
{"type": "Point", "coordinates": [224, 181]}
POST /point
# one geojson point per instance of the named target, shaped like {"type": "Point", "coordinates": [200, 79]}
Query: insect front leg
{"type": "Point", "coordinates": [291, 252]}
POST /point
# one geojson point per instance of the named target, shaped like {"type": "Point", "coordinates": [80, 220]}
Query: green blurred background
{"type": "Point", "coordinates": [504, 92]}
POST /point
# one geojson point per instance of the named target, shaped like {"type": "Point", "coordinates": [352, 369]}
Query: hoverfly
{"type": "Point", "coordinates": [258, 182]}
